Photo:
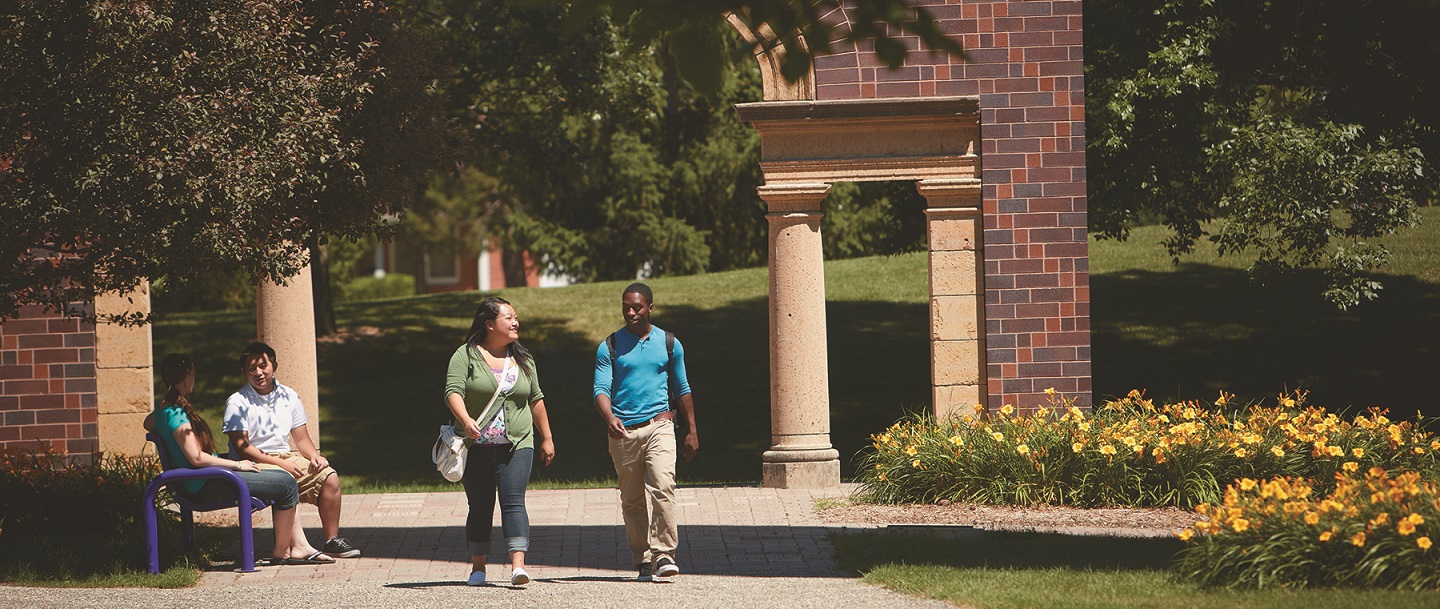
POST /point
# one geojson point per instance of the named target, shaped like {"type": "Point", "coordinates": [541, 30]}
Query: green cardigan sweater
{"type": "Point", "coordinates": [469, 376]}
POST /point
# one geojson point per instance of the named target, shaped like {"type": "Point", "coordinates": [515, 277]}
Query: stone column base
{"type": "Point", "coordinates": [801, 469]}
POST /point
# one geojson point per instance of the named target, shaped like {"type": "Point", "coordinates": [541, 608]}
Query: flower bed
{"type": "Point", "coordinates": [1130, 452]}
{"type": "Point", "coordinates": [1372, 530]}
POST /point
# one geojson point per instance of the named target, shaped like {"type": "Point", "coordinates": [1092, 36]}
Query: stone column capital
{"type": "Point", "coordinates": [950, 192]}
{"type": "Point", "coordinates": [794, 196]}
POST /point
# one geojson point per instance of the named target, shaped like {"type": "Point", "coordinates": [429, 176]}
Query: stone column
{"type": "Point", "coordinates": [124, 383]}
{"type": "Point", "coordinates": [800, 455]}
{"type": "Point", "coordinates": [955, 229]}
{"type": "Point", "coordinates": [285, 320]}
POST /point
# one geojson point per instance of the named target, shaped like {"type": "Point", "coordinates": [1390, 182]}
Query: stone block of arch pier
{"type": "Point", "coordinates": [995, 143]}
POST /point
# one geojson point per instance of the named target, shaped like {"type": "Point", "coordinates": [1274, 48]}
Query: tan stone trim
{"type": "Point", "coordinates": [890, 108]}
{"type": "Point", "coordinates": [792, 197]}
{"type": "Point", "coordinates": [770, 52]}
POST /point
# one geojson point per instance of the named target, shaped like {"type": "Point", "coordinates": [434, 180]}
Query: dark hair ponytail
{"type": "Point", "coordinates": [173, 370]}
{"type": "Point", "coordinates": [489, 310]}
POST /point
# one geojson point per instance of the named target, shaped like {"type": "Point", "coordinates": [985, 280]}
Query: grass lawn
{"type": "Point", "coordinates": [1189, 330]}
{"type": "Point", "coordinates": [1179, 331]}
{"type": "Point", "coordinates": [1067, 572]}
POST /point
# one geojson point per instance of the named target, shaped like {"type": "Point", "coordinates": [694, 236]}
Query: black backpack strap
{"type": "Point", "coordinates": [610, 348]}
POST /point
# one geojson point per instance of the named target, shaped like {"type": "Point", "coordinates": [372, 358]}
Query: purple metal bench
{"type": "Point", "coordinates": [172, 476]}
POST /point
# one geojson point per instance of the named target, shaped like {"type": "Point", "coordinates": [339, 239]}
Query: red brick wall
{"type": "Point", "coordinates": [1025, 64]}
{"type": "Point", "coordinates": [47, 384]}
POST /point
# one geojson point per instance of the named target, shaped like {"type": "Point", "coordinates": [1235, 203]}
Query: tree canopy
{"type": "Point", "coordinates": [189, 137]}
{"type": "Point", "coordinates": [1294, 134]}
{"type": "Point", "coordinates": [592, 148]}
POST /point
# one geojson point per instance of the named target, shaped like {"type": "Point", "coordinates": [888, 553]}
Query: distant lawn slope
{"type": "Point", "coordinates": [1189, 330]}
{"type": "Point", "coordinates": [1180, 331]}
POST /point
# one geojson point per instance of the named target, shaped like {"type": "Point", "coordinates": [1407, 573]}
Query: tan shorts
{"type": "Point", "coordinates": [311, 482]}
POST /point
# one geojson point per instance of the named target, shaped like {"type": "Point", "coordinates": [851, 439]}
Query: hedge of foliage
{"type": "Point", "coordinates": [1373, 530]}
{"type": "Point", "coordinates": [73, 518]}
{"type": "Point", "coordinates": [1130, 452]}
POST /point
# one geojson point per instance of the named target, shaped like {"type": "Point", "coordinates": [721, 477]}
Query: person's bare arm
{"type": "Point", "coordinates": [240, 441]}
{"type": "Point", "coordinates": [300, 437]}
{"type": "Point", "coordinates": [613, 426]}
{"type": "Point", "coordinates": [692, 437]}
{"type": "Point", "coordinates": [190, 447]}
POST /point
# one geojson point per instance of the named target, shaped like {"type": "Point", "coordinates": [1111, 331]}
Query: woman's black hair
{"type": "Point", "coordinates": [489, 310]}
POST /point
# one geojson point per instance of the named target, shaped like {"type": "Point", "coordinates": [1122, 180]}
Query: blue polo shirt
{"type": "Point", "coordinates": [637, 384]}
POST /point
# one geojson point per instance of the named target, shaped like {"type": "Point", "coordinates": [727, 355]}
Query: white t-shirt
{"type": "Point", "coordinates": [505, 379]}
{"type": "Point", "coordinates": [267, 418]}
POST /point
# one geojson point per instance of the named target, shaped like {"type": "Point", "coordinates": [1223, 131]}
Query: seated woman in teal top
{"type": "Point", "coordinates": [189, 442]}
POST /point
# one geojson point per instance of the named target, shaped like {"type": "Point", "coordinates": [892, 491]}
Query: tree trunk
{"type": "Point", "coordinates": [320, 289]}
{"type": "Point", "coordinates": [514, 264]}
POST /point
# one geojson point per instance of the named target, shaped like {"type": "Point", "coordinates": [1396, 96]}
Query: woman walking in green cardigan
{"type": "Point", "coordinates": [494, 394]}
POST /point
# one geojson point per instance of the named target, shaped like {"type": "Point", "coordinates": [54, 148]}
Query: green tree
{"type": "Point", "coordinates": [591, 152]}
{"type": "Point", "coordinates": [1291, 133]}
{"type": "Point", "coordinates": [141, 139]}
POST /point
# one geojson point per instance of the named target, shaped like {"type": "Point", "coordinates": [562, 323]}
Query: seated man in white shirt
{"type": "Point", "coordinates": [259, 418]}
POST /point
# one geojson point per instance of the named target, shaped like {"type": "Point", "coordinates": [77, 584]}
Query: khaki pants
{"type": "Point", "coordinates": [645, 465]}
{"type": "Point", "coordinates": [311, 482]}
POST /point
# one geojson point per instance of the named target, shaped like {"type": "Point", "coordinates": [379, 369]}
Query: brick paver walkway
{"type": "Point", "coordinates": [417, 539]}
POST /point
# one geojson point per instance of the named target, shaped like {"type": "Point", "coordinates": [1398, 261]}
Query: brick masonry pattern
{"type": "Point", "coordinates": [47, 384]}
{"type": "Point", "coordinates": [1024, 61]}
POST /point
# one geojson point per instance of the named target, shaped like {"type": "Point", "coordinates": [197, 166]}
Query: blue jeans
{"type": "Point", "coordinates": [492, 469]}
{"type": "Point", "coordinates": [273, 484]}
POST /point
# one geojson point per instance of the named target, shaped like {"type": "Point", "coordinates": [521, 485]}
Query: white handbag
{"type": "Point", "coordinates": [451, 449]}
{"type": "Point", "coordinates": [449, 453]}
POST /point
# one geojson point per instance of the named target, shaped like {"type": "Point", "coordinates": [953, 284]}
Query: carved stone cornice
{"type": "Point", "coordinates": [867, 140]}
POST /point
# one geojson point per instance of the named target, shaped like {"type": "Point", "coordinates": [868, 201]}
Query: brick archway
{"type": "Point", "coordinates": [996, 145]}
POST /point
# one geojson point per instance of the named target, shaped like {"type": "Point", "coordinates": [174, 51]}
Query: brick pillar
{"type": "Point", "coordinates": [957, 309]}
{"type": "Point", "coordinates": [47, 383]}
{"type": "Point", "coordinates": [801, 455]}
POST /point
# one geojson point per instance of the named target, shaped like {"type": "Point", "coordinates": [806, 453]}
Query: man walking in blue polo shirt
{"type": "Point", "coordinates": [637, 371]}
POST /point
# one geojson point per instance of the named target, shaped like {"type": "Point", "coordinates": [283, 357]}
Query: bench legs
{"type": "Point", "coordinates": [152, 529]}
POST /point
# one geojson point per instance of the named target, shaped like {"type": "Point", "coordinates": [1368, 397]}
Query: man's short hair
{"type": "Point", "coordinates": [258, 348]}
{"type": "Point", "coordinates": [641, 289]}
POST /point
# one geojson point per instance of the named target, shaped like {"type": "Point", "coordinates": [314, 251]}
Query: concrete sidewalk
{"type": "Point", "coordinates": [741, 546]}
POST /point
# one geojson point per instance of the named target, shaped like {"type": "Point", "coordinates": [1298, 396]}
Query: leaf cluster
{"type": "Point", "coordinates": [141, 139]}
{"type": "Point", "coordinates": [1291, 134]}
{"type": "Point", "coordinates": [588, 150]}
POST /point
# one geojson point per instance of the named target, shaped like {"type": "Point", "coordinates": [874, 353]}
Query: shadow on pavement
{"type": "Point", "coordinates": [862, 551]}
{"type": "Point", "coordinates": [767, 551]}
